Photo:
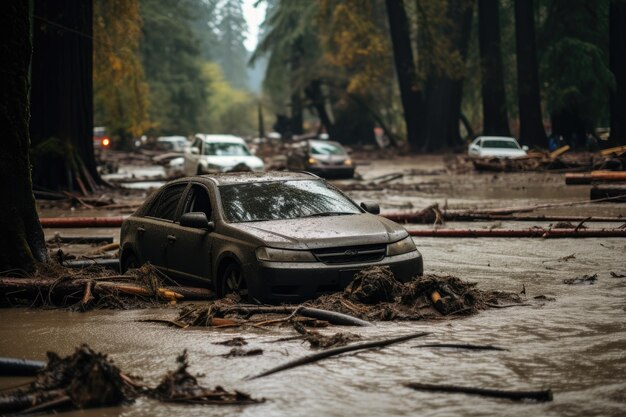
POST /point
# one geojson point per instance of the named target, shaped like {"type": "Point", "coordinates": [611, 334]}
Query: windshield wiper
{"type": "Point", "coordinates": [328, 213]}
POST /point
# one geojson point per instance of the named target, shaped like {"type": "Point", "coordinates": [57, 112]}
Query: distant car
{"type": "Point", "coordinates": [172, 143]}
{"type": "Point", "coordinates": [219, 153]}
{"type": "Point", "coordinates": [271, 237]}
{"type": "Point", "coordinates": [325, 158]}
{"type": "Point", "coordinates": [496, 147]}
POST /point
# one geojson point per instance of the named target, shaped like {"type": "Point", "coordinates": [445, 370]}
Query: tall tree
{"type": "Point", "coordinates": [120, 89]}
{"type": "Point", "coordinates": [412, 98]}
{"type": "Point", "coordinates": [495, 115]}
{"type": "Point", "coordinates": [21, 237]}
{"type": "Point", "coordinates": [230, 51]}
{"type": "Point", "coordinates": [618, 67]}
{"type": "Point", "coordinates": [61, 95]}
{"type": "Point", "coordinates": [171, 60]}
{"type": "Point", "coordinates": [531, 122]}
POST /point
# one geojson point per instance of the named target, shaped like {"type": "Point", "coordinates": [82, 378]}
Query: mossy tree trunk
{"type": "Point", "coordinates": [61, 127]}
{"type": "Point", "coordinates": [21, 237]}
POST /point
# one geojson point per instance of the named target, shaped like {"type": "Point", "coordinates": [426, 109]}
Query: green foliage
{"type": "Point", "coordinates": [229, 110]}
{"type": "Point", "coordinates": [230, 51]}
{"type": "Point", "coordinates": [171, 59]}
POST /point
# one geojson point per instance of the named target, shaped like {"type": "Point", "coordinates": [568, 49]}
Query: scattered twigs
{"type": "Point", "coordinates": [315, 313]}
{"type": "Point", "coordinates": [338, 351]}
{"type": "Point", "coordinates": [87, 295]}
{"type": "Point", "coordinates": [541, 395]}
{"type": "Point", "coordinates": [460, 346]}
{"type": "Point", "coordinates": [426, 217]}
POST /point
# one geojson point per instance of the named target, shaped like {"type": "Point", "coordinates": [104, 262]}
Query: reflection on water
{"type": "Point", "coordinates": [575, 345]}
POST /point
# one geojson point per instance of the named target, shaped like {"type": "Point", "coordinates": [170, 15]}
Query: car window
{"type": "Point", "coordinates": [226, 149]}
{"type": "Point", "coordinates": [326, 149]}
{"type": "Point", "coordinates": [164, 206]}
{"type": "Point", "coordinates": [282, 200]}
{"type": "Point", "coordinates": [198, 201]}
{"type": "Point", "coordinates": [502, 144]}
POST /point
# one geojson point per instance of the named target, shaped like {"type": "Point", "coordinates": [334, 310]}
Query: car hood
{"type": "Point", "coordinates": [331, 158]}
{"type": "Point", "coordinates": [503, 153]}
{"type": "Point", "coordinates": [324, 232]}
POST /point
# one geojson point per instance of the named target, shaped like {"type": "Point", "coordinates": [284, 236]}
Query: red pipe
{"type": "Point", "coordinates": [545, 233]}
{"type": "Point", "coordinates": [68, 222]}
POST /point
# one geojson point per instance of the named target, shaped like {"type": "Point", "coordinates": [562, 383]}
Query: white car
{"type": "Point", "coordinates": [172, 143]}
{"type": "Point", "coordinates": [219, 153]}
{"type": "Point", "coordinates": [496, 147]}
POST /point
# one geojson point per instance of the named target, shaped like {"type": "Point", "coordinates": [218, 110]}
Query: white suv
{"type": "Point", "coordinates": [219, 153]}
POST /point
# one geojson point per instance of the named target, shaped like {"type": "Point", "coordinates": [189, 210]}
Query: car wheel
{"type": "Point", "coordinates": [130, 262]}
{"type": "Point", "coordinates": [233, 281]}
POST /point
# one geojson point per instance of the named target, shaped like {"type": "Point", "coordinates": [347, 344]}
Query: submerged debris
{"type": "Point", "coordinates": [585, 279]}
{"type": "Point", "coordinates": [87, 379]}
{"type": "Point", "coordinates": [318, 340]}
{"type": "Point", "coordinates": [237, 352]}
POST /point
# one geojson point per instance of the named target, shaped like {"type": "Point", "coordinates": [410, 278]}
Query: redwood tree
{"type": "Point", "coordinates": [531, 122]}
{"type": "Point", "coordinates": [495, 118]}
{"type": "Point", "coordinates": [21, 237]}
{"type": "Point", "coordinates": [617, 52]}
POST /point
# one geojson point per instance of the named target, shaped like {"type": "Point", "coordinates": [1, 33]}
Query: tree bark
{"type": "Point", "coordinates": [412, 97]}
{"type": "Point", "coordinates": [314, 93]}
{"type": "Point", "coordinates": [532, 132]}
{"type": "Point", "coordinates": [296, 99]}
{"type": "Point", "coordinates": [61, 127]}
{"type": "Point", "coordinates": [444, 94]}
{"type": "Point", "coordinates": [21, 237]}
{"type": "Point", "coordinates": [495, 118]}
{"type": "Point", "coordinates": [617, 56]}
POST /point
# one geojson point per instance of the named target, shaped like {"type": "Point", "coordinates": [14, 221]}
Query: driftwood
{"type": "Point", "coordinates": [80, 239]}
{"type": "Point", "coordinates": [459, 346]}
{"type": "Point", "coordinates": [595, 176]}
{"type": "Point", "coordinates": [542, 395]}
{"type": "Point", "coordinates": [314, 313]}
{"type": "Point", "coordinates": [338, 351]}
{"type": "Point", "coordinates": [20, 367]}
{"type": "Point", "coordinates": [514, 233]}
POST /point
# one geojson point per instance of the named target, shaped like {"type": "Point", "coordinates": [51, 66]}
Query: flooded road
{"type": "Point", "coordinates": [572, 341]}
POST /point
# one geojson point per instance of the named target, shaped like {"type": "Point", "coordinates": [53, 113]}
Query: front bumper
{"type": "Point", "coordinates": [289, 282]}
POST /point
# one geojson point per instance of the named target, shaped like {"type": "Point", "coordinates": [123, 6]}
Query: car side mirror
{"type": "Point", "coordinates": [371, 207]}
{"type": "Point", "coordinates": [194, 150]}
{"type": "Point", "coordinates": [197, 220]}
{"type": "Point", "coordinates": [525, 148]}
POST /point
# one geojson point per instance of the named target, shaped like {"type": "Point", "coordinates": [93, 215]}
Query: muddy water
{"type": "Point", "coordinates": [575, 345]}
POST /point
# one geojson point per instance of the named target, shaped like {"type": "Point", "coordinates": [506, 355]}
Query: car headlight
{"type": "Point", "coordinates": [347, 162]}
{"type": "Point", "coordinates": [402, 246]}
{"type": "Point", "coordinates": [283, 255]}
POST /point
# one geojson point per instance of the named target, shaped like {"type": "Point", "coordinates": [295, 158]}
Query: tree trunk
{"type": "Point", "coordinates": [314, 93]}
{"type": "Point", "coordinates": [532, 132]}
{"type": "Point", "coordinates": [412, 99]}
{"type": "Point", "coordinates": [61, 97]}
{"type": "Point", "coordinates": [444, 94]}
{"type": "Point", "coordinates": [21, 237]}
{"type": "Point", "coordinates": [617, 53]}
{"type": "Point", "coordinates": [495, 119]}
{"type": "Point", "coordinates": [296, 99]}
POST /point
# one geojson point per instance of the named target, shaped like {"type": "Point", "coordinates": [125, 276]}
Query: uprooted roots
{"type": "Point", "coordinates": [88, 379]}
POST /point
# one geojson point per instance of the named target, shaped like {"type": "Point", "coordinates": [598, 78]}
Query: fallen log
{"type": "Point", "coordinates": [20, 367]}
{"type": "Point", "coordinates": [460, 346]}
{"type": "Point", "coordinates": [600, 192]}
{"type": "Point", "coordinates": [314, 313]}
{"type": "Point", "coordinates": [337, 351]}
{"type": "Point", "coordinates": [80, 239]}
{"type": "Point", "coordinates": [513, 233]}
{"type": "Point", "coordinates": [595, 176]}
{"type": "Point", "coordinates": [69, 222]}
{"type": "Point", "coordinates": [542, 395]}
{"type": "Point", "coordinates": [113, 264]}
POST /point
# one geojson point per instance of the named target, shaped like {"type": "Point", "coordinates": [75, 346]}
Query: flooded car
{"type": "Point", "coordinates": [219, 153]}
{"type": "Point", "coordinates": [271, 237]}
{"type": "Point", "coordinates": [325, 158]}
{"type": "Point", "coordinates": [496, 147]}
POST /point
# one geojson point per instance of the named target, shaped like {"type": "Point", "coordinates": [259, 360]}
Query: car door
{"type": "Point", "coordinates": [189, 249]}
{"type": "Point", "coordinates": [155, 227]}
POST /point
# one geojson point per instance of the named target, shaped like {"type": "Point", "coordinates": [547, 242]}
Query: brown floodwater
{"type": "Point", "coordinates": [575, 344]}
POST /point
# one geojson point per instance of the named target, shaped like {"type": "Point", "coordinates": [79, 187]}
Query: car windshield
{"type": "Point", "coordinates": [226, 149]}
{"type": "Point", "coordinates": [326, 149]}
{"type": "Point", "coordinates": [282, 200]}
{"type": "Point", "coordinates": [502, 144]}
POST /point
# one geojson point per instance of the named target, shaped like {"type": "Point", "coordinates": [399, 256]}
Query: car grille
{"type": "Point", "coordinates": [351, 254]}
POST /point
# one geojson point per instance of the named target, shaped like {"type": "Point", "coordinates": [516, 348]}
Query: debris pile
{"type": "Point", "coordinates": [88, 379]}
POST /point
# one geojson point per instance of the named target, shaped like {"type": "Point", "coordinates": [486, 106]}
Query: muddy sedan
{"type": "Point", "coordinates": [271, 237]}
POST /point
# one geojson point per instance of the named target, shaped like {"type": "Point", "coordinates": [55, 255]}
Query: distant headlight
{"type": "Point", "coordinates": [348, 162]}
{"type": "Point", "coordinates": [283, 255]}
{"type": "Point", "coordinates": [312, 161]}
{"type": "Point", "coordinates": [403, 246]}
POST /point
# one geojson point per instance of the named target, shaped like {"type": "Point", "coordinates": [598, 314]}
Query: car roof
{"type": "Point", "coordinates": [220, 138]}
{"type": "Point", "coordinates": [230, 178]}
{"type": "Point", "coordinates": [507, 138]}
